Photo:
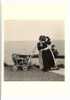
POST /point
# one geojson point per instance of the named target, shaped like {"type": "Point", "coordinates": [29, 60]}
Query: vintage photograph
{"type": "Point", "coordinates": [34, 50]}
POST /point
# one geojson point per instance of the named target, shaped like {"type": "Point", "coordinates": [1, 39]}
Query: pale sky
{"type": "Point", "coordinates": [30, 30]}
{"type": "Point", "coordinates": [33, 18]}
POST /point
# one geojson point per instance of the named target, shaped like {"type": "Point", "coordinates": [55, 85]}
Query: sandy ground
{"type": "Point", "coordinates": [61, 71]}
{"type": "Point", "coordinates": [33, 75]}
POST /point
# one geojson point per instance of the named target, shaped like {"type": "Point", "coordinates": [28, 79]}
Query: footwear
{"type": "Point", "coordinates": [56, 68]}
{"type": "Point", "coordinates": [45, 70]}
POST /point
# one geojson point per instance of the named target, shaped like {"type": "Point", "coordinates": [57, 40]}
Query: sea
{"type": "Point", "coordinates": [27, 47]}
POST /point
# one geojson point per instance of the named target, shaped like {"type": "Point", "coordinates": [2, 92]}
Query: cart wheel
{"type": "Point", "coordinates": [14, 68]}
{"type": "Point", "coordinates": [24, 68]}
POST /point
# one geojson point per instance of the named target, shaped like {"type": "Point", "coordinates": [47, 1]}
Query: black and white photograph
{"type": "Point", "coordinates": [34, 50]}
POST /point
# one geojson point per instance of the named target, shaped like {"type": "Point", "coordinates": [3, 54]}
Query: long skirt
{"type": "Point", "coordinates": [40, 60]}
{"type": "Point", "coordinates": [48, 59]}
